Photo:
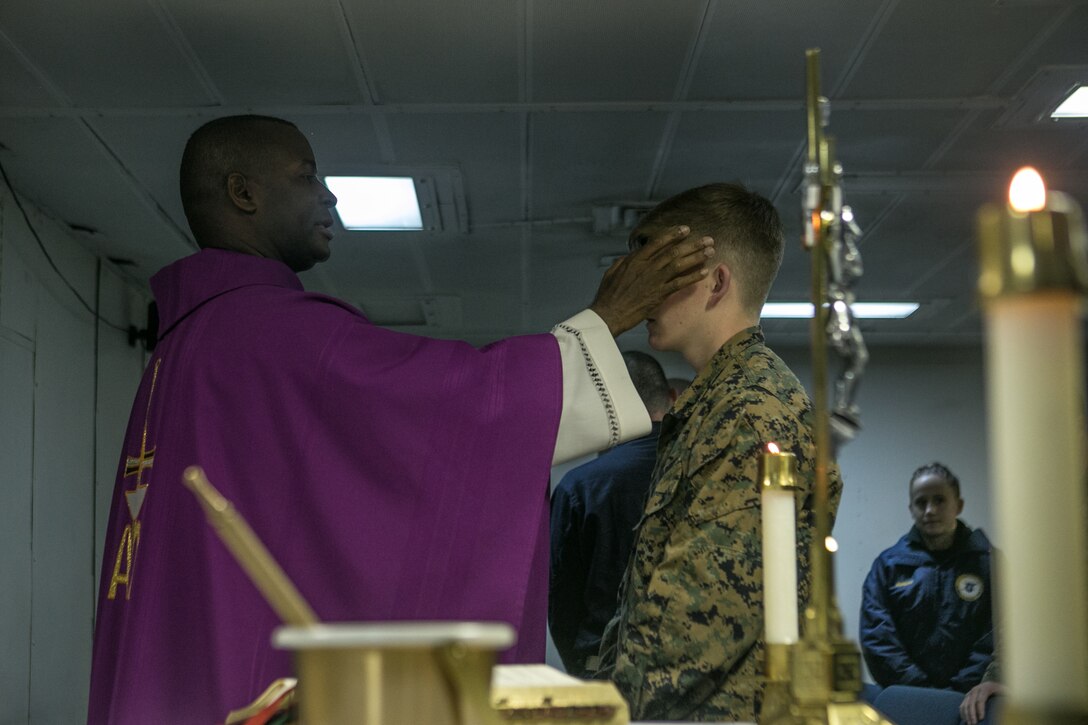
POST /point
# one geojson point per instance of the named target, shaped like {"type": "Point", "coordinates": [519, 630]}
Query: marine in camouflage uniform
{"type": "Point", "coordinates": [687, 642]}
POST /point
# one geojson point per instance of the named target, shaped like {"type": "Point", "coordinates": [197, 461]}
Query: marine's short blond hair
{"type": "Point", "coordinates": [746, 228]}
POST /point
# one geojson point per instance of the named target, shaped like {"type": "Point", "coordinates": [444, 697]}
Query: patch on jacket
{"type": "Point", "coordinates": [902, 583]}
{"type": "Point", "coordinates": [969, 587]}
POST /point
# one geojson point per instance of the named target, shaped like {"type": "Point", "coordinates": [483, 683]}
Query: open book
{"type": "Point", "coordinates": [273, 705]}
{"type": "Point", "coordinates": [543, 694]}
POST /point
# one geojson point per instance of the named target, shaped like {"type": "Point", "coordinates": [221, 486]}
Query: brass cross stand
{"type": "Point", "coordinates": [818, 679]}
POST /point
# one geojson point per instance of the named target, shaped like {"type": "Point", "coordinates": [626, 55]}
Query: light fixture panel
{"type": "Point", "coordinates": [376, 203]}
{"type": "Point", "coordinates": [1075, 106]}
{"type": "Point", "coordinates": [439, 191]}
{"type": "Point", "coordinates": [1035, 102]}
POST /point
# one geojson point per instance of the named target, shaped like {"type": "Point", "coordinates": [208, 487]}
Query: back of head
{"type": "Point", "coordinates": [679, 385]}
{"type": "Point", "coordinates": [746, 228]}
{"type": "Point", "coordinates": [650, 382]}
{"type": "Point", "coordinates": [214, 151]}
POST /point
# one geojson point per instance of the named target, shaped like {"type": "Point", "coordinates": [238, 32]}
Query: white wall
{"type": "Point", "coordinates": [66, 382]}
{"type": "Point", "coordinates": [918, 406]}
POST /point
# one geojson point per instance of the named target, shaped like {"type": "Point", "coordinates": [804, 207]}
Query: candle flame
{"type": "Point", "coordinates": [1027, 192]}
{"type": "Point", "coordinates": [773, 448]}
{"type": "Point", "coordinates": [831, 545]}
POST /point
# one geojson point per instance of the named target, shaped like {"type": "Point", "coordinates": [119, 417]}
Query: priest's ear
{"type": "Point", "coordinates": [240, 192]}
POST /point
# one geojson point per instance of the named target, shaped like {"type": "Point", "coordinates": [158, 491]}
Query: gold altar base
{"type": "Point", "coordinates": [815, 683]}
{"type": "Point", "coordinates": [780, 708]}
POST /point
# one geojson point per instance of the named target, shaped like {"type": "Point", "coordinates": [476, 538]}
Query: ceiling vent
{"type": "Point", "coordinates": [619, 217]}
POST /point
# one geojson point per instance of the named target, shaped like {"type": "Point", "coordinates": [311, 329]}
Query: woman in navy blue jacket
{"type": "Point", "coordinates": [926, 614]}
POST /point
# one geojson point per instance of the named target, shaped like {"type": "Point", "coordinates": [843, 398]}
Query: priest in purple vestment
{"type": "Point", "coordinates": [393, 477]}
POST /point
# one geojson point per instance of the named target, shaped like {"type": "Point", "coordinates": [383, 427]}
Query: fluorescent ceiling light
{"type": "Point", "coordinates": [884, 310]}
{"type": "Point", "coordinates": [376, 203]}
{"type": "Point", "coordinates": [862, 310]}
{"type": "Point", "coordinates": [787, 310]}
{"type": "Point", "coordinates": [1076, 106]}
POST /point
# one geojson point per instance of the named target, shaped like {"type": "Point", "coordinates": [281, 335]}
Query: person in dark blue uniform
{"type": "Point", "coordinates": [926, 609]}
{"type": "Point", "coordinates": [594, 511]}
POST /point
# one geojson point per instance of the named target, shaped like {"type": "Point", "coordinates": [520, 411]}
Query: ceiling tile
{"type": "Point", "coordinates": [583, 158]}
{"type": "Point", "coordinates": [438, 51]}
{"type": "Point", "coordinates": [738, 61]}
{"type": "Point", "coordinates": [486, 147]}
{"type": "Point", "coordinates": [115, 53]}
{"type": "Point", "coordinates": [939, 49]}
{"type": "Point", "coordinates": [754, 148]}
{"type": "Point", "coordinates": [600, 51]}
{"type": "Point", "coordinates": [270, 51]}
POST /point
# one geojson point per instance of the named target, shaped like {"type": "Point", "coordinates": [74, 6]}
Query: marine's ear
{"type": "Point", "coordinates": [240, 193]}
{"type": "Point", "coordinates": [721, 280]}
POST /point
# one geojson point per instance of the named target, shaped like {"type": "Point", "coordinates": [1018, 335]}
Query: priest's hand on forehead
{"type": "Point", "coordinates": [659, 264]}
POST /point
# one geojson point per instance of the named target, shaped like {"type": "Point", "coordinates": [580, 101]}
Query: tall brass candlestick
{"type": "Point", "coordinates": [1033, 276]}
{"type": "Point", "coordinates": [824, 668]}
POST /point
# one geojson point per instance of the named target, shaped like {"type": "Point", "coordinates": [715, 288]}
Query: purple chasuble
{"type": "Point", "coordinates": [393, 477]}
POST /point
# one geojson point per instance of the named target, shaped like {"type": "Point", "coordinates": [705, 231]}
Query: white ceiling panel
{"type": "Point", "coordinates": [268, 51]}
{"type": "Point", "coordinates": [1066, 43]}
{"type": "Point", "coordinates": [600, 51]}
{"type": "Point", "coordinates": [485, 147]}
{"type": "Point", "coordinates": [439, 51]}
{"type": "Point", "coordinates": [104, 197]}
{"type": "Point", "coordinates": [583, 158]}
{"type": "Point", "coordinates": [341, 141]}
{"type": "Point", "coordinates": [889, 141]}
{"type": "Point", "coordinates": [101, 54]}
{"type": "Point", "coordinates": [485, 264]}
{"type": "Point", "coordinates": [750, 53]}
{"type": "Point", "coordinates": [143, 147]}
{"type": "Point", "coordinates": [970, 41]}
{"type": "Point", "coordinates": [379, 263]}
{"type": "Point", "coordinates": [19, 87]}
{"type": "Point", "coordinates": [752, 147]}
{"type": "Point", "coordinates": [1050, 146]}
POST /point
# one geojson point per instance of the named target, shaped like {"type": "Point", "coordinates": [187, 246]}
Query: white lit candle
{"type": "Point", "coordinates": [777, 471]}
{"type": "Point", "coordinates": [1031, 283]}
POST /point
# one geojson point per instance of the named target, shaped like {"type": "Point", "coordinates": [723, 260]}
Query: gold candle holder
{"type": "Point", "coordinates": [777, 469]}
{"type": "Point", "coordinates": [778, 472]}
{"type": "Point", "coordinates": [1034, 244]}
